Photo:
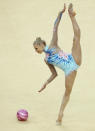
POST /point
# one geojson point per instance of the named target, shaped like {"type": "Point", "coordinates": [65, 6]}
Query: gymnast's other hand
{"type": "Point", "coordinates": [43, 87]}
{"type": "Point", "coordinates": [63, 10]}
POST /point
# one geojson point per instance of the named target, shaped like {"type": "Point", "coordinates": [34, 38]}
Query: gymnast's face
{"type": "Point", "coordinates": [39, 48]}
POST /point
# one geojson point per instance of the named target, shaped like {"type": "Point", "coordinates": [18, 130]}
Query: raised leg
{"type": "Point", "coordinates": [69, 81]}
{"type": "Point", "coordinates": [76, 49]}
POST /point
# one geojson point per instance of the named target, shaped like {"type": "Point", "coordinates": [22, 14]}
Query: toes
{"type": "Point", "coordinates": [70, 10]}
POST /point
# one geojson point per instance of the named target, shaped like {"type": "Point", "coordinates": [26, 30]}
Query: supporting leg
{"type": "Point", "coordinates": [69, 81]}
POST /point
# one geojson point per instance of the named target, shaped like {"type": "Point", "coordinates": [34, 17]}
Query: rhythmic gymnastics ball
{"type": "Point", "coordinates": [22, 115]}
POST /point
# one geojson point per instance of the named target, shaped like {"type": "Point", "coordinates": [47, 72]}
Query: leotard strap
{"type": "Point", "coordinates": [46, 49]}
{"type": "Point", "coordinates": [49, 51]}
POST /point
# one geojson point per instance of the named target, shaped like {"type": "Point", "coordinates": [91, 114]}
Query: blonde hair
{"type": "Point", "coordinates": [39, 41]}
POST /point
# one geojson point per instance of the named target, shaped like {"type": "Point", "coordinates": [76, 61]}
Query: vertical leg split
{"type": "Point", "coordinates": [76, 53]}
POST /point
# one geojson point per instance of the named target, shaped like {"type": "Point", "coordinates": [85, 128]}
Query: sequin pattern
{"type": "Point", "coordinates": [61, 59]}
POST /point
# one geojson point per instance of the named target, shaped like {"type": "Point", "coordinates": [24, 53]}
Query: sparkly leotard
{"type": "Point", "coordinates": [62, 60]}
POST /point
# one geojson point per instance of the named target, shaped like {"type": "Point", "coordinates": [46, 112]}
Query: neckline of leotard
{"type": "Point", "coordinates": [46, 48]}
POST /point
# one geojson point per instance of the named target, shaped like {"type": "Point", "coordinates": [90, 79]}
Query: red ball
{"type": "Point", "coordinates": [22, 115]}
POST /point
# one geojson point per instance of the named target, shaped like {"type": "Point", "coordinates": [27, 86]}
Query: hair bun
{"type": "Point", "coordinates": [38, 39]}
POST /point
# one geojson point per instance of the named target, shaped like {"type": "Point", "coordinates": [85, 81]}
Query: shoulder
{"type": "Point", "coordinates": [57, 48]}
{"type": "Point", "coordinates": [54, 46]}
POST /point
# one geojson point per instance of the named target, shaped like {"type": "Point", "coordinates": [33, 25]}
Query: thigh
{"type": "Point", "coordinates": [69, 80]}
{"type": "Point", "coordinates": [76, 52]}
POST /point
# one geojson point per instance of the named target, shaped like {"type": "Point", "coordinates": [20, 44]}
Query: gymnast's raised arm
{"type": "Point", "coordinates": [55, 28]}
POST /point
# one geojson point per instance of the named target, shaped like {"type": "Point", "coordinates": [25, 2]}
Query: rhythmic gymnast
{"type": "Point", "coordinates": [69, 63]}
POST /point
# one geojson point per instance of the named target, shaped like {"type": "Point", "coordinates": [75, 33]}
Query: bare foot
{"type": "Point", "coordinates": [70, 10]}
{"type": "Point", "coordinates": [58, 122]}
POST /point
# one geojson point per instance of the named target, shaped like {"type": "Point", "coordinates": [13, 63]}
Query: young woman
{"type": "Point", "coordinates": [69, 63]}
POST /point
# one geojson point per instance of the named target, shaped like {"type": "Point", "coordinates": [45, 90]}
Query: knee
{"type": "Point", "coordinates": [76, 39]}
{"type": "Point", "coordinates": [78, 30]}
{"type": "Point", "coordinates": [68, 92]}
{"type": "Point", "coordinates": [79, 61]}
{"type": "Point", "coordinates": [77, 33]}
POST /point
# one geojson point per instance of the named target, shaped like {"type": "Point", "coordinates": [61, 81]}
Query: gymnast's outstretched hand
{"type": "Point", "coordinates": [43, 87]}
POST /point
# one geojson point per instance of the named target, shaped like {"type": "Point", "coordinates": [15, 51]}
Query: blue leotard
{"type": "Point", "coordinates": [62, 60]}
